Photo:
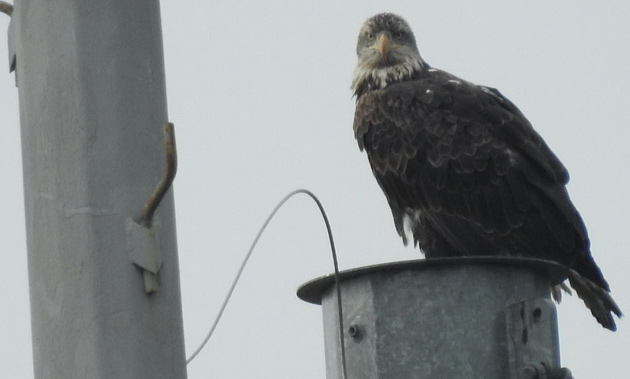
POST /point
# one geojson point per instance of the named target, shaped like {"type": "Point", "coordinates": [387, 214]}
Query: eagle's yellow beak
{"type": "Point", "coordinates": [382, 45]}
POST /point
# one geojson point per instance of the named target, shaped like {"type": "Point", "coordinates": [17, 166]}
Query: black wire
{"type": "Point", "coordinates": [248, 255]}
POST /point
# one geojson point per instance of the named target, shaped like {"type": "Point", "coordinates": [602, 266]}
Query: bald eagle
{"type": "Point", "coordinates": [463, 170]}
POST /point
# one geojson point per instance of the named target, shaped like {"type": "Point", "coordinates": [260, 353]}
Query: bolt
{"type": "Point", "coordinates": [354, 331]}
{"type": "Point", "coordinates": [537, 313]}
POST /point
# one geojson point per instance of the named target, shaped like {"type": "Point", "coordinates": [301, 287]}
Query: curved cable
{"type": "Point", "coordinates": [248, 255]}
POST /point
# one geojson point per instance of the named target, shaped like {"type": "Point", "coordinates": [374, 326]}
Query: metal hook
{"type": "Point", "coordinates": [142, 245]}
{"type": "Point", "coordinates": [165, 183]}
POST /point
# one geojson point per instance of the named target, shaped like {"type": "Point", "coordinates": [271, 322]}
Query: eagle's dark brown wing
{"type": "Point", "coordinates": [466, 172]}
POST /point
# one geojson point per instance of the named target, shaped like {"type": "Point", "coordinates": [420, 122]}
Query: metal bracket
{"type": "Point", "coordinates": [144, 252]}
{"type": "Point", "coordinates": [6, 8]}
{"type": "Point", "coordinates": [541, 371]}
{"type": "Point", "coordinates": [142, 244]}
{"type": "Point", "coordinates": [532, 331]}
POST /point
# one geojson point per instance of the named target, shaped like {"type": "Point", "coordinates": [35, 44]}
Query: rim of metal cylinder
{"type": "Point", "coordinates": [313, 290]}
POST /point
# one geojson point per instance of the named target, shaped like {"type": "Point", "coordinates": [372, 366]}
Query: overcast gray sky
{"type": "Point", "coordinates": [259, 93]}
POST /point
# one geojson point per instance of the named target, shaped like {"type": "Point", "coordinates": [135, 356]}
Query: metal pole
{"type": "Point", "coordinates": [488, 318]}
{"type": "Point", "coordinates": [104, 289]}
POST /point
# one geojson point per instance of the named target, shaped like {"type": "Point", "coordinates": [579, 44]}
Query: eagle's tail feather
{"type": "Point", "coordinates": [556, 291]}
{"type": "Point", "coordinates": [597, 299]}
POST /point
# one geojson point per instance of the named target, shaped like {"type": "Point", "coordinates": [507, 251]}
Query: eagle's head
{"type": "Point", "coordinates": [387, 53]}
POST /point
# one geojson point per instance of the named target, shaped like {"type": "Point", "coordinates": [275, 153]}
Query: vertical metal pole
{"type": "Point", "coordinates": [91, 85]}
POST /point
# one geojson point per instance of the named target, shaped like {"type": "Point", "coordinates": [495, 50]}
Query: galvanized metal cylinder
{"type": "Point", "coordinates": [446, 318]}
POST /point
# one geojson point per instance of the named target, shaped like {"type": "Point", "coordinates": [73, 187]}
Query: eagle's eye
{"type": "Point", "coordinates": [398, 35]}
{"type": "Point", "coordinates": [370, 36]}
